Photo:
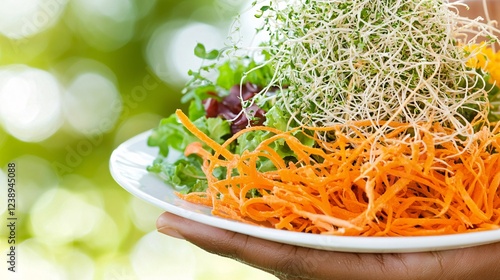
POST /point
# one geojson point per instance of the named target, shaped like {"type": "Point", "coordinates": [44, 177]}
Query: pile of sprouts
{"type": "Point", "coordinates": [342, 61]}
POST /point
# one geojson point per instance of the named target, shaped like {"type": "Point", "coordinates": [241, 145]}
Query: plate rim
{"type": "Point", "coordinates": [353, 244]}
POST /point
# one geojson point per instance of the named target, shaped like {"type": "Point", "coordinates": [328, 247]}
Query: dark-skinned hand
{"type": "Point", "coordinates": [298, 263]}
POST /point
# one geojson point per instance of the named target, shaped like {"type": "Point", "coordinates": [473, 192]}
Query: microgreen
{"type": "Point", "coordinates": [376, 60]}
{"type": "Point", "coordinates": [201, 52]}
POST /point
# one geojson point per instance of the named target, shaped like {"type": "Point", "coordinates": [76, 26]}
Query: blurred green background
{"type": "Point", "coordinates": [77, 78]}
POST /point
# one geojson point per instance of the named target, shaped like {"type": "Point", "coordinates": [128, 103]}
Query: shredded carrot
{"type": "Point", "coordinates": [397, 186]}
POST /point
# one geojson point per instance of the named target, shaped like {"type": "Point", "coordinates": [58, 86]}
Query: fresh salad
{"type": "Point", "coordinates": [361, 118]}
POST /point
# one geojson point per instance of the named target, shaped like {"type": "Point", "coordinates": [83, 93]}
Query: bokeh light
{"type": "Point", "coordinates": [30, 103]}
{"type": "Point", "coordinates": [170, 51]}
{"type": "Point", "coordinates": [69, 68]}
{"type": "Point", "coordinates": [92, 104]}
{"type": "Point", "coordinates": [22, 19]}
{"type": "Point", "coordinates": [60, 216]}
{"type": "Point", "coordinates": [104, 25]}
{"type": "Point", "coordinates": [31, 185]}
{"type": "Point", "coordinates": [39, 263]}
{"type": "Point", "coordinates": [42, 262]}
{"type": "Point", "coordinates": [116, 268]}
{"type": "Point", "coordinates": [157, 257]}
{"type": "Point", "coordinates": [143, 214]}
{"type": "Point", "coordinates": [77, 265]}
{"type": "Point", "coordinates": [108, 230]}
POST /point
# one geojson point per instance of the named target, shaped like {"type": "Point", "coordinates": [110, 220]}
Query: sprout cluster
{"type": "Point", "coordinates": [379, 60]}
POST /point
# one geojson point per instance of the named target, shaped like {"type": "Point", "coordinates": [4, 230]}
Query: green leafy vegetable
{"type": "Point", "coordinates": [185, 173]}
{"type": "Point", "coordinates": [201, 52]}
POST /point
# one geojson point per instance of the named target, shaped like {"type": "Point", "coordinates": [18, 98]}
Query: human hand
{"type": "Point", "coordinates": [289, 262]}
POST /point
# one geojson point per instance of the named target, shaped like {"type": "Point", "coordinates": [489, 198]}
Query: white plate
{"type": "Point", "coordinates": [128, 167]}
